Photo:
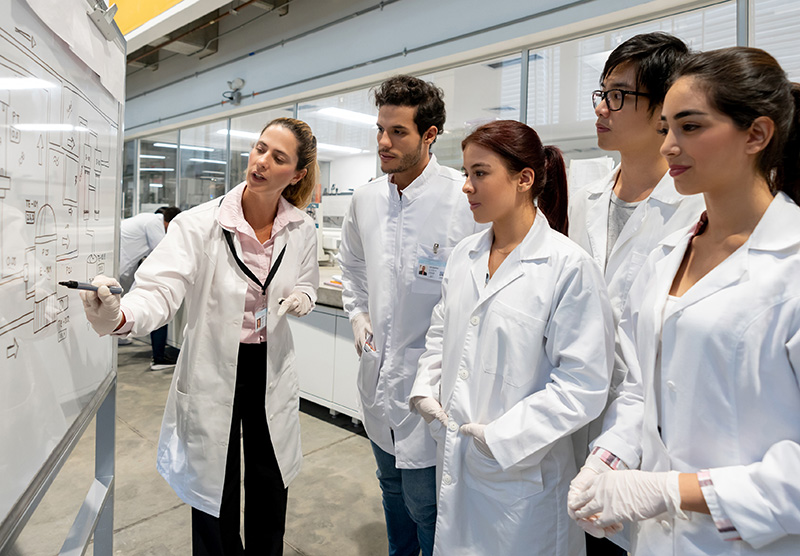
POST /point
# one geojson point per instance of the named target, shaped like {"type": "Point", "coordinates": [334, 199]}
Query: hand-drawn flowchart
{"type": "Point", "coordinates": [55, 148]}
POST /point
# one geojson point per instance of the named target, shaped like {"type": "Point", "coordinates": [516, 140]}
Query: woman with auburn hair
{"type": "Point", "coordinates": [240, 264]}
{"type": "Point", "coordinates": [708, 420]}
{"type": "Point", "coordinates": [518, 356]}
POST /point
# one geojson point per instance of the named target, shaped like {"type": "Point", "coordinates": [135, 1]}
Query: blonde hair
{"type": "Point", "coordinates": [299, 194]}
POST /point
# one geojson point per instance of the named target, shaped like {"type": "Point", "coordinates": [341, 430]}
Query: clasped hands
{"type": "Point", "coordinates": [601, 498]}
{"type": "Point", "coordinates": [430, 409]}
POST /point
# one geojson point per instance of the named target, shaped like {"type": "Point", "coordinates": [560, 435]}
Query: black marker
{"type": "Point", "coordinates": [88, 287]}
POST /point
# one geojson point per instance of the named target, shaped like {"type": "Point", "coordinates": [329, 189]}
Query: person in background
{"type": "Point", "coordinates": [397, 225]}
{"type": "Point", "coordinates": [518, 356]}
{"type": "Point", "coordinates": [139, 235]}
{"type": "Point", "coordinates": [710, 410]}
{"type": "Point", "coordinates": [621, 218]}
{"type": "Point", "coordinates": [239, 263]}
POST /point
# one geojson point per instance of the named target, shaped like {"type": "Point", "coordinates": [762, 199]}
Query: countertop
{"type": "Point", "coordinates": [329, 295]}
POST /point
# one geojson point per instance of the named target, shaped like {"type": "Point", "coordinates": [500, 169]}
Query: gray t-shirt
{"type": "Point", "coordinates": [619, 212]}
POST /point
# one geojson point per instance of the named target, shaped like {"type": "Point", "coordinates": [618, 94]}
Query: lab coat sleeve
{"type": "Point", "coordinates": [580, 347]}
{"type": "Point", "coordinates": [164, 277]}
{"type": "Point", "coordinates": [308, 273]}
{"type": "Point", "coordinates": [429, 369]}
{"type": "Point", "coordinates": [623, 421]}
{"type": "Point", "coordinates": [355, 296]}
{"type": "Point", "coordinates": [762, 500]}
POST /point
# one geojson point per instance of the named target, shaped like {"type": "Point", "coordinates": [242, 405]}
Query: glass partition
{"type": "Point", "coordinates": [774, 25]}
{"type": "Point", "coordinates": [244, 132]}
{"type": "Point", "coordinates": [475, 94]}
{"type": "Point", "coordinates": [203, 163]}
{"type": "Point", "coordinates": [128, 179]}
{"type": "Point", "coordinates": [158, 165]}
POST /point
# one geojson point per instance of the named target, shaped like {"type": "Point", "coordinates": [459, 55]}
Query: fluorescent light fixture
{"type": "Point", "coordinates": [156, 156]}
{"type": "Point", "coordinates": [186, 147]}
{"type": "Point", "coordinates": [339, 149]}
{"type": "Point", "coordinates": [49, 127]}
{"type": "Point", "coordinates": [209, 160]}
{"type": "Point", "coordinates": [21, 83]}
{"type": "Point", "coordinates": [241, 134]}
{"type": "Point", "coordinates": [156, 169]}
{"type": "Point", "coordinates": [341, 114]}
{"type": "Point", "coordinates": [216, 173]}
{"type": "Point", "coordinates": [245, 154]}
{"type": "Point", "coordinates": [156, 185]}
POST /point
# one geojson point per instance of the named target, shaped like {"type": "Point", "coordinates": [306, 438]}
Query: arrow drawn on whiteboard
{"type": "Point", "coordinates": [40, 146]}
{"type": "Point", "coordinates": [11, 351]}
{"type": "Point", "coordinates": [27, 36]}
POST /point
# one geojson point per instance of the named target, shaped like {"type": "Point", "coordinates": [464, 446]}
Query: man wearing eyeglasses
{"type": "Point", "coordinates": [622, 217]}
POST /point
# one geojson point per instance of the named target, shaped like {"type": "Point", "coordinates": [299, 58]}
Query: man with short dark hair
{"type": "Point", "coordinates": [396, 238]}
{"type": "Point", "coordinates": [621, 218]}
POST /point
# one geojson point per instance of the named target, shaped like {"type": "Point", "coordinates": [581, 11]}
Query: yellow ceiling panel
{"type": "Point", "coordinates": [134, 13]}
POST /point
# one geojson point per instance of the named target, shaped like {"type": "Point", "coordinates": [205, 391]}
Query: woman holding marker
{"type": "Point", "coordinates": [239, 264]}
{"type": "Point", "coordinates": [518, 356]}
{"type": "Point", "coordinates": [708, 419]}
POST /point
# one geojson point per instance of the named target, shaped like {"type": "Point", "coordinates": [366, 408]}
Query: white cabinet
{"type": "Point", "coordinates": [326, 361]}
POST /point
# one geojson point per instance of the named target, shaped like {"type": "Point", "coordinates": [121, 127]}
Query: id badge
{"type": "Point", "coordinates": [261, 319]}
{"type": "Point", "coordinates": [432, 269]}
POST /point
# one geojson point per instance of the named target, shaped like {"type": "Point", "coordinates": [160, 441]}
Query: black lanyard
{"type": "Point", "coordinates": [247, 271]}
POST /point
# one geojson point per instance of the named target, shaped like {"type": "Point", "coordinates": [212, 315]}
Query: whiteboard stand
{"type": "Point", "coordinates": [97, 511]}
{"type": "Point", "coordinates": [96, 514]}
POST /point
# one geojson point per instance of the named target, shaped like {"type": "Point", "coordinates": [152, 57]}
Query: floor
{"type": "Point", "coordinates": [334, 504]}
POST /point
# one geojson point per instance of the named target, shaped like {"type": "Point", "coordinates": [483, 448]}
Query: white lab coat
{"type": "Point", "coordinates": [664, 212]}
{"type": "Point", "coordinates": [384, 236]}
{"type": "Point", "coordinates": [139, 235]}
{"type": "Point", "coordinates": [195, 265]}
{"type": "Point", "coordinates": [730, 396]}
{"type": "Point", "coordinates": [530, 356]}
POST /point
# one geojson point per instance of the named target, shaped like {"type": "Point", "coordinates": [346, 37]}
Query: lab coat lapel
{"type": "Point", "coordinates": [479, 261]}
{"type": "Point", "coordinates": [664, 193]}
{"type": "Point", "coordinates": [597, 217]}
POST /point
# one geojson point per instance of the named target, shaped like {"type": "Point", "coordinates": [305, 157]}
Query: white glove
{"type": "Point", "coordinates": [430, 409]}
{"type": "Point", "coordinates": [593, 466]}
{"type": "Point", "coordinates": [628, 496]}
{"type": "Point", "coordinates": [102, 307]}
{"type": "Point", "coordinates": [362, 331]}
{"type": "Point", "coordinates": [297, 304]}
{"type": "Point", "coordinates": [478, 433]}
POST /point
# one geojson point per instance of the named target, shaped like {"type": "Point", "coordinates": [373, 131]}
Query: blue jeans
{"type": "Point", "coordinates": [409, 504]}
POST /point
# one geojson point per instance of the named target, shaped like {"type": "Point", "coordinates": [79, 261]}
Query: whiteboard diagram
{"type": "Point", "coordinates": [59, 158]}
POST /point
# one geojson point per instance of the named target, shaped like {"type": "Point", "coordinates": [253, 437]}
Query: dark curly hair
{"type": "Point", "coordinates": [427, 98]}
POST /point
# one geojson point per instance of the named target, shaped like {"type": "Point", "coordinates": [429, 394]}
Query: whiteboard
{"type": "Point", "coordinates": [59, 175]}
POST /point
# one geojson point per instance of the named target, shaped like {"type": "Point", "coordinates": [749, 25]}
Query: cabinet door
{"type": "Point", "coordinates": [314, 345]}
{"type": "Point", "coordinates": [345, 389]}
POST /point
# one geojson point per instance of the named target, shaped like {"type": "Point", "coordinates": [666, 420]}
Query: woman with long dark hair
{"type": "Point", "coordinates": [710, 411]}
{"type": "Point", "coordinates": [518, 355]}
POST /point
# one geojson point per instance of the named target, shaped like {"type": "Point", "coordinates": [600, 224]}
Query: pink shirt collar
{"type": "Point", "coordinates": [231, 214]}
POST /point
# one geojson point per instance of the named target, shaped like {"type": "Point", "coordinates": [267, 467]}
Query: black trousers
{"type": "Point", "coordinates": [264, 494]}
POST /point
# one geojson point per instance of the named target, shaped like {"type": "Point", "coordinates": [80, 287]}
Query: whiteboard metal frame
{"type": "Point", "coordinates": [95, 518]}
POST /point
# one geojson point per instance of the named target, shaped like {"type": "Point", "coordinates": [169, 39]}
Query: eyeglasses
{"type": "Point", "coordinates": [614, 98]}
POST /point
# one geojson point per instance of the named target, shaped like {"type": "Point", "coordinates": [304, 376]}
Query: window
{"type": "Point", "coordinates": [204, 163]}
{"type": "Point", "coordinates": [158, 165]}
{"type": "Point", "coordinates": [774, 25]}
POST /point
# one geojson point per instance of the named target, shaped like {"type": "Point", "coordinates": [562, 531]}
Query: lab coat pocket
{"type": "Point", "coordinates": [512, 344]}
{"type": "Point", "coordinates": [485, 475]}
{"type": "Point", "coordinates": [368, 373]}
{"type": "Point", "coordinates": [428, 268]}
{"type": "Point", "coordinates": [183, 416]}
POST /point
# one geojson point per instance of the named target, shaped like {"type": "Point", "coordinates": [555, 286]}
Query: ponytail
{"type": "Point", "coordinates": [789, 172]}
{"type": "Point", "coordinates": [553, 198]}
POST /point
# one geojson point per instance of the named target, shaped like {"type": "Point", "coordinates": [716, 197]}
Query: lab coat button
{"type": "Point", "coordinates": [452, 426]}
{"type": "Point", "coordinates": [667, 527]}
{"type": "Point", "coordinates": [270, 385]}
{"type": "Point", "coordinates": [463, 374]}
{"type": "Point", "coordinates": [270, 417]}
{"type": "Point", "coordinates": [474, 321]}
{"type": "Point", "coordinates": [447, 479]}
{"type": "Point", "coordinates": [671, 386]}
